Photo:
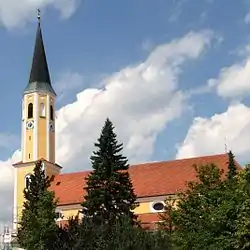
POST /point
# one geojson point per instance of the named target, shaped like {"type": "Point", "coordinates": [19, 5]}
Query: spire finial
{"type": "Point", "coordinates": [38, 15]}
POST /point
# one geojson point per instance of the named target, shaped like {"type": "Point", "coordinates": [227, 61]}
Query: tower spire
{"type": "Point", "coordinates": [39, 75]}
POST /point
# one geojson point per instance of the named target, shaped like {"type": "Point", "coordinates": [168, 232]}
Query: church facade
{"type": "Point", "coordinates": [153, 182]}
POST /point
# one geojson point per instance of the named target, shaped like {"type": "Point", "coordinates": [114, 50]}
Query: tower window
{"type": "Point", "coordinates": [27, 181]}
{"type": "Point", "coordinates": [30, 111]}
{"type": "Point", "coordinates": [51, 113]}
{"type": "Point", "coordinates": [42, 109]}
{"type": "Point", "coordinates": [29, 156]}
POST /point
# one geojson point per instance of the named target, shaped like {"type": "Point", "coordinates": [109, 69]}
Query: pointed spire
{"type": "Point", "coordinates": [39, 74]}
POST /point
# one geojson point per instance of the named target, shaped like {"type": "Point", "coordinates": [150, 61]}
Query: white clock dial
{"type": "Point", "coordinates": [29, 124]}
{"type": "Point", "coordinates": [51, 127]}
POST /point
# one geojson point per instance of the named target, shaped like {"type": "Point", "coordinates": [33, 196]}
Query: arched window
{"type": "Point", "coordinates": [59, 215]}
{"type": "Point", "coordinates": [27, 181]}
{"type": "Point", "coordinates": [30, 111]}
{"type": "Point", "coordinates": [42, 109]}
{"type": "Point", "coordinates": [51, 113]}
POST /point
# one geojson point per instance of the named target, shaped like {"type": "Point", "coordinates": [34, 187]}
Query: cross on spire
{"type": "Point", "coordinates": [38, 15]}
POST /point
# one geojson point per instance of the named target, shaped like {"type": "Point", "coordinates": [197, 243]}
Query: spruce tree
{"type": "Point", "coordinates": [232, 170]}
{"type": "Point", "coordinates": [38, 228]}
{"type": "Point", "coordinates": [109, 189]}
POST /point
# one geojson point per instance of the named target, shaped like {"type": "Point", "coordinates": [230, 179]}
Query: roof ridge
{"type": "Point", "coordinates": [152, 163]}
{"type": "Point", "coordinates": [176, 160]}
{"type": "Point", "coordinates": [76, 172]}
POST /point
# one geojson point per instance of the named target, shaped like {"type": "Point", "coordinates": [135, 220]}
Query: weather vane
{"type": "Point", "coordinates": [38, 14]}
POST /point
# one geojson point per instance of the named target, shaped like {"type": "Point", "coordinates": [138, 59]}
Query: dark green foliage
{"type": "Point", "coordinates": [166, 219]}
{"type": "Point", "coordinates": [109, 189]}
{"type": "Point", "coordinates": [38, 229]}
{"type": "Point", "coordinates": [194, 222]}
{"type": "Point", "coordinates": [134, 238]}
{"type": "Point", "coordinates": [214, 213]}
{"type": "Point", "coordinates": [69, 236]}
{"type": "Point", "coordinates": [122, 236]}
{"type": "Point", "coordinates": [232, 170]}
{"type": "Point", "coordinates": [242, 236]}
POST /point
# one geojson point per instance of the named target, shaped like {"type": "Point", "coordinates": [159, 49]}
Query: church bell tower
{"type": "Point", "coordinates": [38, 124]}
{"type": "Point", "coordinates": [38, 119]}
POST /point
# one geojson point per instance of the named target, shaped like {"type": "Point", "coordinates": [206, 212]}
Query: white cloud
{"type": "Point", "coordinates": [15, 13]}
{"type": "Point", "coordinates": [141, 100]}
{"type": "Point", "coordinates": [247, 18]}
{"type": "Point", "coordinates": [233, 81]}
{"type": "Point", "coordinates": [207, 135]}
{"type": "Point", "coordinates": [6, 188]}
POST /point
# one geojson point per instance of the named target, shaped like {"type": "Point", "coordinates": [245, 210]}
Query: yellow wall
{"type": "Point", "coordinates": [29, 133]}
{"type": "Point", "coordinates": [42, 132]}
{"type": "Point", "coordinates": [69, 213]}
{"type": "Point", "coordinates": [52, 147]}
{"type": "Point", "coordinates": [42, 129]}
{"type": "Point", "coordinates": [21, 173]}
{"type": "Point", "coordinates": [143, 208]}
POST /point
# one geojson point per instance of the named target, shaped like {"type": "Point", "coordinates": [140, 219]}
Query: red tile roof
{"type": "Point", "coordinates": [149, 221]}
{"type": "Point", "coordinates": [149, 179]}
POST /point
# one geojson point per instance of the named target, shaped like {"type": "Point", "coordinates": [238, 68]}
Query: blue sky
{"type": "Point", "coordinates": [103, 37]}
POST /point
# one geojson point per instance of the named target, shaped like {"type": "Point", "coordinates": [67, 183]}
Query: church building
{"type": "Point", "coordinates": [152, 182]}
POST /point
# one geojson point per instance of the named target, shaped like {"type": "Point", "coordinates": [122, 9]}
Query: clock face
{"type": "Point", "coordinates": [29, 125]}
{"type": "Point", "coordinates": [51, 127]}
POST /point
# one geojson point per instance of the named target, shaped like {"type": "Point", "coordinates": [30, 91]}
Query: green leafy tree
{"type": "Point", "coordinates": [207, 212]}
{"type": "Point", "coordinates": [109, 189]}
{"type": "Point", "coordinates": [214, 212]}
{"type": "Point", "coordinates": [122, 236]}
{"type": "Point", "coordinates": [38, 229]}
{"type": "Point", "coordinates": [242, 235]}
{"type": "Point", "coordinates": [166, 218]}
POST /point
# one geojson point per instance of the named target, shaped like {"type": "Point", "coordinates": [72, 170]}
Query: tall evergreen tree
{"type": "Point", "coordinates": [110, 193]}
{"type": "Point", "coordinates": [38, 229]}
{"type": "Point", "coordinates": [232, 170]}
